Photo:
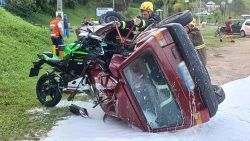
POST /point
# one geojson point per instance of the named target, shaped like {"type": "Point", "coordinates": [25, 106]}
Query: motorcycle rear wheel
{"type": "Point", "coordinates": [47, 91]}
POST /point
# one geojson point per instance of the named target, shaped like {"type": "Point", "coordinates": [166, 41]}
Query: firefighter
{"type": "Point", "coordinates": [197, 40]}
{"type": "Point", "coordinates": [56, 32]}
{"type": "Point", "coordinates": [141, 22]}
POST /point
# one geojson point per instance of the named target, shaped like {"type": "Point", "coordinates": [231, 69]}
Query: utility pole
{"type": "Point", "coordinates": [2, 3]}
{"type": "Point", "coordinates": [113, 5]}
{"type": "Point", "coordinates": [59, 8]}
{"type": "Point", "coordinates": [59, 5]}
{"type": "Point", "coordinates": [199, 20]}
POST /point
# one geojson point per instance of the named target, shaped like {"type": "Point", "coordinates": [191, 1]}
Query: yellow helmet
{"type": "Point", "coordinates": [147, 6]}
{"type": "Point", "coordinates": [193, 22]}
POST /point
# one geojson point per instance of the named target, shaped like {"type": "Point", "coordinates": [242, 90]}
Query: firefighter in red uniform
{"type": "Point", "coordinates": [56, 32]}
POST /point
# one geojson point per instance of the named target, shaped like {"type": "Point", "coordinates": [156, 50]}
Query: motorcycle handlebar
{"type": "Point", "coordinates": [87, 34]}
{"type": "Point", "coordinates": [95, 37]}
{"type": "Point", "coordinates": [90, 34]}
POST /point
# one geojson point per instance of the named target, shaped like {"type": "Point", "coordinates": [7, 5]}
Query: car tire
{"type": "Point", "coordinates": [196, 68]}
{"type": "Point", "coordinates": [183, 18]}
{"type": "Point", "coordinates": [110, 16]}
{"type": "Point", "coordinates": [242, 33]}
{"type": "Point", "coordinates": [219, 92]}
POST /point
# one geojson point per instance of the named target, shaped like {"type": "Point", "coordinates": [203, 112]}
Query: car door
{"type": "Point", "coordinates": [247, 27]}
{"type": "Point", "coordinates": [236, 26]}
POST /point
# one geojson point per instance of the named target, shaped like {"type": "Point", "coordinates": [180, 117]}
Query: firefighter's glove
{"type": "Point", "coordinates": [116, 23]}
{"type": "Point", "coordinates": [137, 21]}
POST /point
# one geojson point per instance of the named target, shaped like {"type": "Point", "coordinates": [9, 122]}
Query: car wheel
{"type": "Point", "coordinates": [242, 33]}
{"type": "Point", "coordinates": [110, 16]}
{"type": "Point", "coordinates": [183, 18]}
{"type": "Point", "coordinates": [219, 92]}
{"type": "Point", "coordinates": [196, 68]}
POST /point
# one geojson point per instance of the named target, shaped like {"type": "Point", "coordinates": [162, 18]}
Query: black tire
{"type": "Point", "coordinates": [196, 68]}
{"type": "Point", "coordinates": [110, 16]}
{"type": "Point", "coordinates": [242, 33]}
{"type": "Point", "coordinates": [183, 18]}
{"type": "Point", "coordinates": [48, 87]}
{"type": "Point", "coordinates": [222, 29]}
{"type": "Point", "coordinates": [219, 92]}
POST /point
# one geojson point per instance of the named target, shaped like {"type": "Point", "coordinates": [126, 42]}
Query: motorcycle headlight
{"type": "Point", "coordinates": [40, 56]}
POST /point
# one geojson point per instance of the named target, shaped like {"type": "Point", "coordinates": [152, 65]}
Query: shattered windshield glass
{"type": "Point", "coordinates": [152, 93]}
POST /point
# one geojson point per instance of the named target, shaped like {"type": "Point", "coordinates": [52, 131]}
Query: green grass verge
{"type": "Point", "coordinates": [19, 44]}
{"type": "Point", "coordinates": [214, 42]}
{"type": "Point", "coordinates": [75, 15]}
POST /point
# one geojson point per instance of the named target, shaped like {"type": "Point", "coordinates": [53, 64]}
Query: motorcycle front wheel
{"type": "Point", "coordinates": [47, 91]}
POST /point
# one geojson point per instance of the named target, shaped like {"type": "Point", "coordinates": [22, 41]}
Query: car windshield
{"type": "Point", "coordinates": [237, 21]}
{"type": "Point", "coordinates": [152, 92]}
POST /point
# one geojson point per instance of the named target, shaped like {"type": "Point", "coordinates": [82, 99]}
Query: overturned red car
{"type": "Point", "coordinates": [161, 85]}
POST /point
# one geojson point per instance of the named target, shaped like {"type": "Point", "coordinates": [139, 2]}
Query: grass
{"type": "Point", "coordinates": [214, 42]}
{"type": "Point", "coordinates": [75, 15]}
{"type": "Point", "coordinates": [20, 41]}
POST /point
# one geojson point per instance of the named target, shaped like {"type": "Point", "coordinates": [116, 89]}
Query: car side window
{"type": "Point", "coordinates": [247, 23]}
{"type": "Point", "coordinates": [152, 91]}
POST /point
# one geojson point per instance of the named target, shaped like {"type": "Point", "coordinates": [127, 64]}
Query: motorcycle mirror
{"type": "Point", "coordinates": [84, 34]}
{"type": "Point", "coordinates": [90, 31]}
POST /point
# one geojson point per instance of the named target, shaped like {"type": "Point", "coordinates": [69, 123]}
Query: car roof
{"type": "Point", "coordinates": [244, 15]}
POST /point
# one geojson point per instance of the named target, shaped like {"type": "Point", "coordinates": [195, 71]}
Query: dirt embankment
{"type": "Point", "coordinates": [229, 63]}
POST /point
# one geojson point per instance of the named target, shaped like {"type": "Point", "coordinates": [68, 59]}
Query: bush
{"type": "Point", "coordinates": [23, 8]}
{"type": "Point", "coordinates": [131, 12]}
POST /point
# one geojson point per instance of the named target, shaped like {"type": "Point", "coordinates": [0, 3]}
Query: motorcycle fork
{"type": "Point", "coordinates": [84, 76]}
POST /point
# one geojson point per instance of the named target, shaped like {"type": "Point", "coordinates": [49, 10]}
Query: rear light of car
{"type": "Point", "coordinates": [160, 38]}
{"type": "Point", "coordinates": [201, 116]}
{"type": "Point", "coordinates": [186, 76]}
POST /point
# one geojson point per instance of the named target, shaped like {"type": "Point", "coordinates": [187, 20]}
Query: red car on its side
{"type": "Point", "coordinates": [159, 85]}
{"type": "Point", "coordinates": [163, 84]}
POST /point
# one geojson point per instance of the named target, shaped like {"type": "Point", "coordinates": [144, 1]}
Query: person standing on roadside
{"type": "Point", "coordinates": [56, 32]}
{"type": "Point", "coordinates": [197, 40]}
{"type": "Point", "coordinates": [66, 26]}
{"type": "Point", "coordinates": [228, 29]}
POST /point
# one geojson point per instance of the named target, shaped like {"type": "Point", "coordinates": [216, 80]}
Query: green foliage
{"type": "Point", "coordinates": [26, 8]}
{"type": "Point", "coordinates": [131, 12]}
{"type": "Point", "coordinates": [23, 8]}
{"type": "Point", "coordinates": [75, 15]}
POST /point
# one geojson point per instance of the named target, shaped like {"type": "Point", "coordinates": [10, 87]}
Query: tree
{"type": "Point", "coordinates": [178, 6]}
{"type": "Point", "coordinates": [166, 5]}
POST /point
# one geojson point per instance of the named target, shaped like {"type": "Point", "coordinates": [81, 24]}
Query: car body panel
{"type": "Point", "coordinates": [160, 62]}
{"type": "Point", "coordinates": [246, 27]}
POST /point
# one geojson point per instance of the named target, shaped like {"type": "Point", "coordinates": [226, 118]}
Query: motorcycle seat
{"type": "Point", "coordinates": [49, 54]}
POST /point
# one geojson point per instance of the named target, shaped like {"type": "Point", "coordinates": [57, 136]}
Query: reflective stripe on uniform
{"type": "Point", "coordinates": [200, 46]}
{"type": "Point", "coordinates": [123, 25]}
{"type": "Point", "coordinates": [143, 24]}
